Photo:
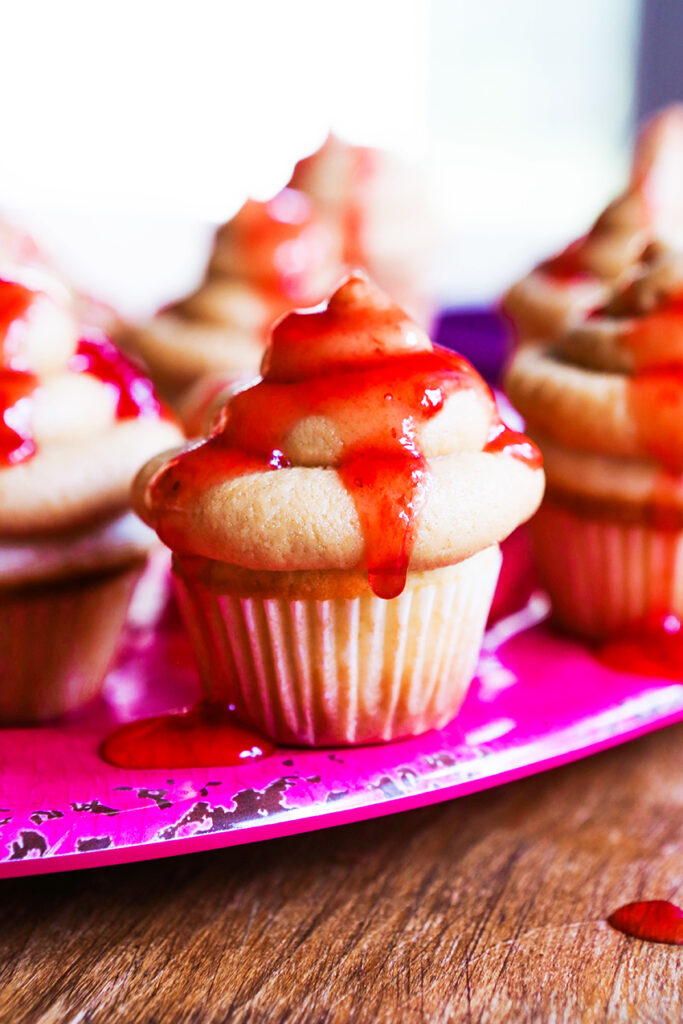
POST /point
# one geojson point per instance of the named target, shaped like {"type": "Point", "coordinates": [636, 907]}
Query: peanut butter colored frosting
{"type": "Point", "coordinates": [77, 422]}
{"type": "Point", "coordinates": [363, 447]}
{"type": "Point", "coordinates": [269, 258]}
{"type": "Point", "coordinates": [605, 401]}
{"type": "Point", "coordinates": [380, 204]}
{"type": "Point", "coordinates": [628, 235]}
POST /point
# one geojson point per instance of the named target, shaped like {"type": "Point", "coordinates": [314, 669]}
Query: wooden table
{"type": "Point", "coordinates": [489, 908]}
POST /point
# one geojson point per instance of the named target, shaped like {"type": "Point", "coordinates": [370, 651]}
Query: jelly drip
{"type": "Point", "coordinates": [652, 920]}
{"type": "Point", "coordinates": [134, 393]}
{"type": "Point", "coordinates": [15, 301]}
{"type": "Point", "coordinates": [205, 736]}
{"type": "Point", "coordinates": [16, 439]}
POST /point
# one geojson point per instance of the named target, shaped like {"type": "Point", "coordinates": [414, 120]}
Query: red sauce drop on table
{"type": "Point", "coordinates": [652, 647]}
{"type": "Point", "coordinates": [652, 920]}
{"type": "Point", "coordinates": [204, 736]}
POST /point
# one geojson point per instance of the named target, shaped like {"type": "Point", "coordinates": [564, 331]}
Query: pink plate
{"type": "Point", "coordinates": [539, 700]}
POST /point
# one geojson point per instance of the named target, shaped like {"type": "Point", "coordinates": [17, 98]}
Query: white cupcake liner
{"type": "Point", "coordinates": [57, 642]}
{"type": "Point", "coordinates": [604, 575]}
{"type": "Point", "coordinates": [344, 671]}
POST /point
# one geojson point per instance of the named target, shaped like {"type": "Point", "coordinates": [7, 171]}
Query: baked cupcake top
{"type": "Point", "coordinates": [613, 384]}
{"type": "Point", "coordinates": [364, 447]}
{"type": "Point", "coordinates": [269, 258]}
{"type": "Point", "coordinates": [77, 418]}
{"type": "Point", "coordinates": [380, 205]}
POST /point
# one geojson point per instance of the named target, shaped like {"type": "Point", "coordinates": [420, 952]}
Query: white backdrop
{"type": "Point", "coordinates": [129, 126]}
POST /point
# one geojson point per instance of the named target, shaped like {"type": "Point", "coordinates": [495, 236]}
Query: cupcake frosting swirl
{"type": "Point", "coordinates": [363, 447]}
{"type": "Point", "coordinates": [627, 237]}
{"type": "Point", "coordinates": [77, 418]}
{"type": "Point", "coordinates": [269, 258]}
{"type": "Point", "coordinates": [605, 401]}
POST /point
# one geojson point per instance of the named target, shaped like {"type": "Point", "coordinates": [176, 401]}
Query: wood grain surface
{"type": "Point", "coordinates": [489, 908]}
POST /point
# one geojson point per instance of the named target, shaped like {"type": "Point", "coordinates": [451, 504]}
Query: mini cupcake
{"type": "Point", "coordinates": [605, 404]}
{"type": "Point", "coordinates": [380, 205]}
{"type": "Point", "coordinates": [77, 422]}
{"type": "Point", "coordinates": [628, 233]}
{"type": "Point", "coordinates": [336, 538]}
{"type": "Point", "coordinates": [270, 258]}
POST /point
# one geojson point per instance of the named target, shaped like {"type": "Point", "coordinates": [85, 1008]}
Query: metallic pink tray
{"type": "Point", "coordinates": [539, 700]}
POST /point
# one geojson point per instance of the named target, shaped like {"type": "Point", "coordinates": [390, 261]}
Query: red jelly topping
{"type": "Point", "coordinates": [16, 385]}
{"type": "Point", "coordinates": [656, 387]}
{"type": "Point", "coordinates": [134, 393]}
{"type": "Point", "coordinates": [568, 265]}
{"type": "Point", "coordinates": [652, 647]}
{"type": "Point", "coordinates": [15, 301]}
{"type": "Point", "coordinates": [203, 736]}
{"type": "Point", "coordinates": [284, 245]}
{"type": "Point", "coordinates": [361, 365]}
{"type": "Point", "coordinates": [652, 920]}
{"type": "Point", "coordinates": [16, 440]}
{"type": "Point", "coordinates": [511, 442]}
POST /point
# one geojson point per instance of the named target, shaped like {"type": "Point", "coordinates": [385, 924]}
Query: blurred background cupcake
{"type": "Point", "coordinates": [77, 421]}
{"type": "Point", "coordinates": [626, 235]}
{"type": "Point", "coordinates": [604, 402]}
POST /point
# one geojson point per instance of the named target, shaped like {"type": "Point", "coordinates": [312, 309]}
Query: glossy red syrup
{"type": "Point", "coordinates": [568, 266]}
{"type": "Point", "coordinates": [652, 920]}
{"type": "Point", "coordinates": [283, 245]}
{"type": "Point", "coordinates": [15, 301]}
{"type": "Point", "coordinates": [134, 393]}
{"type": "Point", "coordinates": [656, 386]}
{"type": "Point", "coordinates": [204, 736]}
{"type": "Point", "coordinates": [16, 438]}
{"type": "Point", "coordinates": [511, 442]}
{"type": "Point", "coordinates": [368, 371]}
{"type": "Point", "coordinates": [16, 385]}
{"type": "Point", "coordinates": [652, 647]}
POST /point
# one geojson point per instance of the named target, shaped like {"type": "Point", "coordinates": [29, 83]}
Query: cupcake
{"type": "Point", "coordinates": [77, 422]}
{"type": "Point", "coordinates": [604, 402]}
{"type": "Point", "coordinates": [380, 205]}
{"type": "Point", "coordinates": [627, 234]}
{"type": "Point", "coordinates": [270, 258]}
{"type": "Point", "coordinates": [336, 537]}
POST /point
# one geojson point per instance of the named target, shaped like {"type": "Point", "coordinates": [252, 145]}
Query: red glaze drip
{"type": "Point", "coordinates": [656, 387]}
{"type": "Point", "coordinates": [207, 735]}
{"type": "Point", "coordinates": [15, 301]}
{"type": "Point", "coordinates": [283, 245]}
{"type": "Point", "coordinates": [652, 920]}
{"type": "Point", "coordinates": [16, 385]}
{"type": "Point", "coordinates": [134, 392]}
{"type": "Point", "coordinates": [16, 439]}
{"type": "Point", "coordinates": [568, 265]}
{"type": "Point", "coordinates": [369, 372]}
{"type": "Point", "coordinates": [511, 442]}
{"type": "Point", "coordinates": [652, 647]}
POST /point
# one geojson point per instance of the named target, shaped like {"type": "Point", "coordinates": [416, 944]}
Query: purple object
{"type": "Point", "coordinates": [479, 334]}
